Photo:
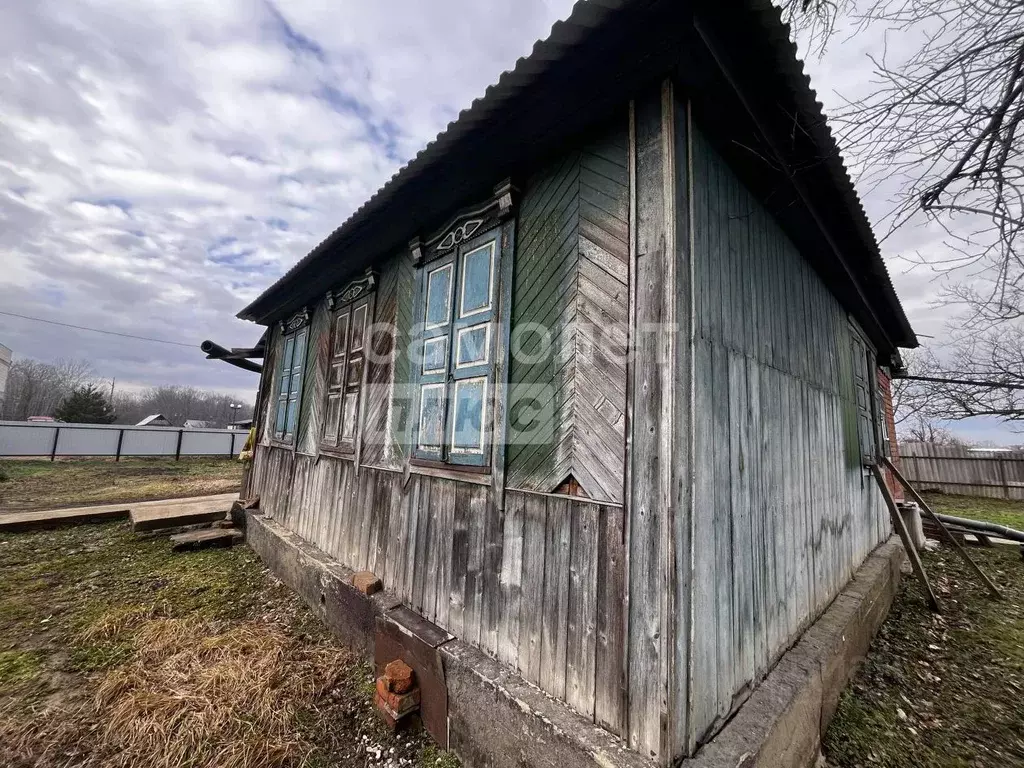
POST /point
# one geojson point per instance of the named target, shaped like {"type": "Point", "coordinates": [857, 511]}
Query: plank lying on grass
{"type": "Point", "coordinates": [212, 537]}
{"type": "Point", "coordinates": [19, 522]}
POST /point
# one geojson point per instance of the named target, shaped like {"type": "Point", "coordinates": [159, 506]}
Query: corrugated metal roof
{"type": "Point", "coordinates": [588, 16]}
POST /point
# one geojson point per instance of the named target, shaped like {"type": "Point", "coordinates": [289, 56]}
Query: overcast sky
{"type": "Point", "coordinates": [163, 161]}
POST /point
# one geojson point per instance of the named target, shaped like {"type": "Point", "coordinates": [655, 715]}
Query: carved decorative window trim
{"type": "Point", "coordinates": [466, 224]}
{"type": "Point", "coordinates": [297, 321]}
{"type": "Point", "coordinates": [353, 290]}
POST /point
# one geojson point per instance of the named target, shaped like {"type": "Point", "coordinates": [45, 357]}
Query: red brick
{"type": "Point", "coordinates": [390, 721]}
{"type": "Point", "coordinates": [399, 676]}
{"type": "Point", "coordinates": [367, 583]}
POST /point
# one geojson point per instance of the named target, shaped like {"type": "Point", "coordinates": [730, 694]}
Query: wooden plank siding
{"type": "Point", "coordinates": [570, 319]}
{"type": "Point", "coordinates": [783, 512]}
{"type": "Point", "coordinates": [548, 602]}
{"type": "Point", "coordinates": [699, 388]}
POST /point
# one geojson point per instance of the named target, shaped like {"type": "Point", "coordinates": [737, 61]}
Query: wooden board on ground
{"type": "Point", "coordinates": [179, 513]}
{"type": "Point", "coordinates": [211, 537]}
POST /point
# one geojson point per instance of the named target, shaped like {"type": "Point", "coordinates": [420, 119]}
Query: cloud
{"type": "Point", "coordinates": [161, 163]}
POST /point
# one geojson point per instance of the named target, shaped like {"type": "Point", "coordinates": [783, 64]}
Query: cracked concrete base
{"type": "Point", "coordinates": [498, 720]}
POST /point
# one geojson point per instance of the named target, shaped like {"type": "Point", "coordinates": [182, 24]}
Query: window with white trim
{"type": "Point", "coordinates": [457, 310]}
{"type": "Point", "coordinates": [345, 375]}
{"type": "Point", "coordinates": [290, 370]}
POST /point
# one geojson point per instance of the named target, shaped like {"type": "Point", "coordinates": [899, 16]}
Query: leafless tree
{"type": "Point", "coordinates": [995, 360]}
{"type": "Point", "coordinates": [179, 404]}
{"type": "Point", "coordinates": [924, 430]}
{"type": "Point", "coordinates": [35, 388]}
{"type": "Point", "coordinates": [910, 399]}
{"type": "Point", "coordinates": [946, 119]}
{"type": "Point", "coordinates": [944, 124]}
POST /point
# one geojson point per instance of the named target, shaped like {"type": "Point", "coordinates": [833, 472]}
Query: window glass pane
{"type": "Point", "coordinates": [333, 417]}
{"type": "Point", "coordinates": [355, 372]}
{"type": "Point", "coordinates": [468, 416]}
{"type": "Point", "coordinates": [282, 410]}
{"type": "Point", "coordinates": [341, 334]}
{"type": "Point", "coordinates": [473, 345]}
{"type": "Point", "coordinates": [358, 328]}
{"type": "Point", "coordinates": [431, 416]}
{"type": "Point", "coordinates": [293, 415]}
{"type": "Point", "coordinates": [299, 356]}
{"type": "Point", "coordinates": [348, 426]}
{"type": "Point", "coordinates": [435, 355]}
{"type": "Point", "coordinates": [439, 296]}
{"type": "Point", "coordinates": [476, 280]}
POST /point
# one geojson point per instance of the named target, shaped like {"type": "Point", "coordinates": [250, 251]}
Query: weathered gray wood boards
{"type": "Point", "coordinates": [538, 584]}
{"type": "Point", "coordinates": [783, 511]}
{"type": "Point", "coordinates": [537, 580]}
{"type": "Point", "coordinates": [659, 429]}
{"type": "Point", "coordinates": [728, 504]}
{"type": "Point", "coordinates": [569, 321]}
{"type": "Point", "coordinates": [957, 469]}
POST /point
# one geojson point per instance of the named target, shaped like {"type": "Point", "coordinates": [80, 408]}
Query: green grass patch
{"type": "Point", "coordinates": [18, 666]}
{"type": "Point", "coordinates": [117, 652]}
{"type": "Point", "coordinates": [998, 511]}
{"type": "Point", "coordinates": [432, 757]}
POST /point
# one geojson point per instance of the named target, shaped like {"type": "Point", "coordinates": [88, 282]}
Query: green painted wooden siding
{"type": "Point", "coordinates": [571, 284]}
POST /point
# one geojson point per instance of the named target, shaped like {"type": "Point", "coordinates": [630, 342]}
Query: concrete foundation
{"type": "Point", "coordinates": [495, 719]}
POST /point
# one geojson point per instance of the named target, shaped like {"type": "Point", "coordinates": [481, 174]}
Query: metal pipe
{"type": "Point", "coordinates": [999, 530]}
{"type": "Point", "coordinates": [212, 348]}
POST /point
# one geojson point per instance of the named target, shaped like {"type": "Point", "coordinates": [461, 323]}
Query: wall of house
{"type": "Point", "coordinates": [535, 579]}
{"type": "Point", "coordinates": [653, 611]}
{"type": "Point", "coordinates": [783, 512]}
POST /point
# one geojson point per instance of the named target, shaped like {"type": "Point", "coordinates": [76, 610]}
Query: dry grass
{"type": "Point", "coordinates": [35, 484]}
{"type": "Point", "coordinates": [191, 696]}
{"type": "Point", "coordinates": [113, 652]}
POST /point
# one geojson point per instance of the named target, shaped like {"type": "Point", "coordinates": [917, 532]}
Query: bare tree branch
{"type": "Point", "coordinates": [945, 121]}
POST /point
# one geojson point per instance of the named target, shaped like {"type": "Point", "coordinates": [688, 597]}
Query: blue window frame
{"type": "Point", "coordinates": [289, 385]}
{"type": "Point", "coordinates": [457, 310]}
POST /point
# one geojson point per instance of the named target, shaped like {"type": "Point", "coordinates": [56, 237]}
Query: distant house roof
{"type": "Point", "coordinates": [155, 420]}
{"type": "Point", "coordinates": [195, 424]}
{"type": "Point", "coordinates": [738, 65]}
{"type": "Point", "coordinates": [241, 424]}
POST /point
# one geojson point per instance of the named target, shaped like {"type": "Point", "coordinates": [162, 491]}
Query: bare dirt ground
{"type": "Point", "coordinates": [943, 690]}
{"type": "Point", "coordinates": [114, 652]}
{"type": "Point", "coordinates": [33, 484]}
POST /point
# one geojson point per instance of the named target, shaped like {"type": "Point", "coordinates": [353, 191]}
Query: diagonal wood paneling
{"type": "Point", "coordinates": [314, 384]}
{"type": "Point", "coordinates": [571, 284]}
{"type": "Point", "coordinates": [378, 441]}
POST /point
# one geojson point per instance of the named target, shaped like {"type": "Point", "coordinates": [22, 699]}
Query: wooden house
{"type": "Point", "coordinates": [592, 382]}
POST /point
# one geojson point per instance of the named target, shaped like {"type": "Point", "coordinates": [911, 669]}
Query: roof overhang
{"type": "Point", "coordinates": [751, 94]}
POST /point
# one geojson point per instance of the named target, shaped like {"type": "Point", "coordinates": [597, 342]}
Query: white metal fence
{"type": "Point", "coordinates": [51, 440]}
